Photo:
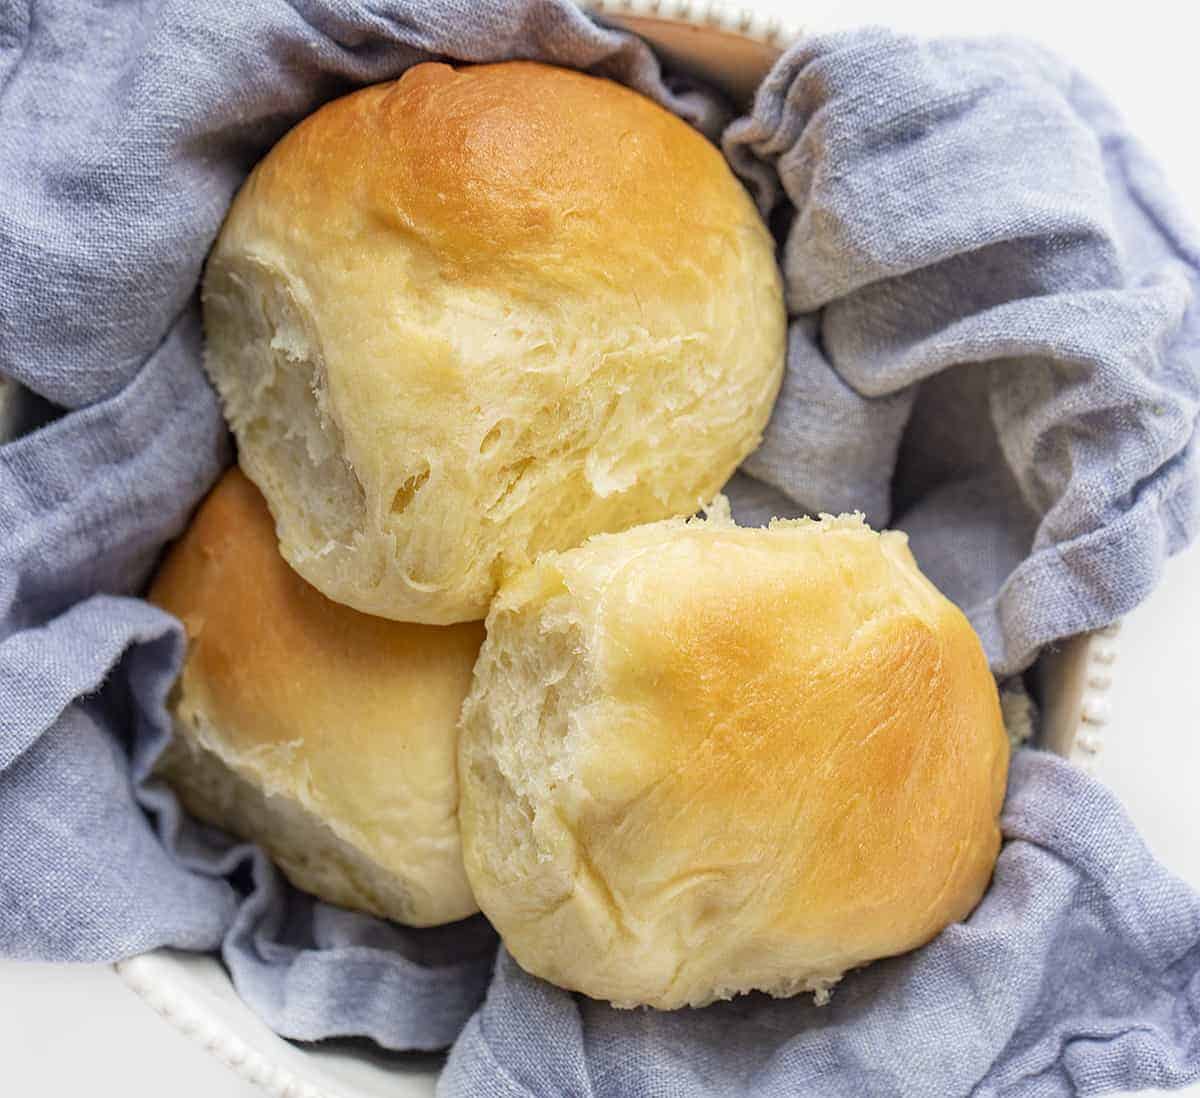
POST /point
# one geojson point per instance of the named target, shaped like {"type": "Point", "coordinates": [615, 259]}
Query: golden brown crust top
{"type": "Point", "coordinates": [498, 165]}
{"type": "Point", "coordinates": [800, 704]}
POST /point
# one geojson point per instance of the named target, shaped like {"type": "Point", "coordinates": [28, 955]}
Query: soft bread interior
{"type": "Point", "coordinates": [538, 678]}
{"type": "Point", "coordinates": [276, 399]}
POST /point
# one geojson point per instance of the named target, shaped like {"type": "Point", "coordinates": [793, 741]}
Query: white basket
{"type": "Point", "coordinates": [731, 49]}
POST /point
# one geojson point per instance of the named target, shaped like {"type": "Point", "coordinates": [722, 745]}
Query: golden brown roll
{"type": "Point", "coordinates": [325, 735]}
{"type": "Point", "coordinates": [699, 760]}
{"type": "Point", "coordinates": [477, 313]}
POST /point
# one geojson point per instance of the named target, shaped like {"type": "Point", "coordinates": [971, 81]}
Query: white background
{"type": "Point", "coordinates": [68, 1031]}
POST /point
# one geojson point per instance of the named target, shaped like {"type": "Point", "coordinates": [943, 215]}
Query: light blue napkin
{"type": "Point", "coordinates": [994, 345]}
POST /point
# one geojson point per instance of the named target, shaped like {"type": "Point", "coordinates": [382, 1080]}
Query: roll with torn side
{"type": "Point", "coordinates": [699, 760]}
{"type": "Point", "coordinates": [324, 735]}
{"type": "Point", "coordinates": [477, 313]}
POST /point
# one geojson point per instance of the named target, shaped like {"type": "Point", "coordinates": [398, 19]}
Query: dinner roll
{"type": "Point", "coordinates": [699, 760]}
{"type": "Point", "coordinates": [324, 735]}
{"type": "Point", "coordinates": [476, 313]}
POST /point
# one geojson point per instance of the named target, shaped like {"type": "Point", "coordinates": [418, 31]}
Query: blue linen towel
{"type": "Point", "coordinates": [993, 345]}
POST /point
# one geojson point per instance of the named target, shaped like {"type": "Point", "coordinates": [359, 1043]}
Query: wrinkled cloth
{"type": "Point", "coordinates": [993, 345]}
{"type": "Point", "coordinates": [1077, 973]}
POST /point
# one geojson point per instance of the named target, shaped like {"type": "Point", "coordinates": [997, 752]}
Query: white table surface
{"type": "Point", "coordinates": [78, 1030]}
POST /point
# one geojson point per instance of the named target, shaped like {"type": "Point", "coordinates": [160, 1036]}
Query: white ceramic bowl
{"type": "Point", "coordinates": [732, 49]}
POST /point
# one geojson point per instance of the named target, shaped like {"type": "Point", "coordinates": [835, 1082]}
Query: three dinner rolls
{"type": "Point", "coordinates": [485, 335]}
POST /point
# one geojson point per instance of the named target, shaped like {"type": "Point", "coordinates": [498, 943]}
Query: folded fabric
{"type": "Point", "coordinates": [998, 336]}
{"type": "Point", "coordinates": [1079, 972]}
{"type": "Point", "coordinates": [993, 345]}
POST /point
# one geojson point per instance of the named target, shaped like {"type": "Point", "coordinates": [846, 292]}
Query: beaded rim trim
{"type": "Point", "coordinates": [150, 978]}
{"type": "Point", "coordinates": [1095, 708]}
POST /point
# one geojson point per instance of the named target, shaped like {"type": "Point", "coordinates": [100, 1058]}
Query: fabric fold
{"type": "Point", "coordinates": [1079, 972]}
